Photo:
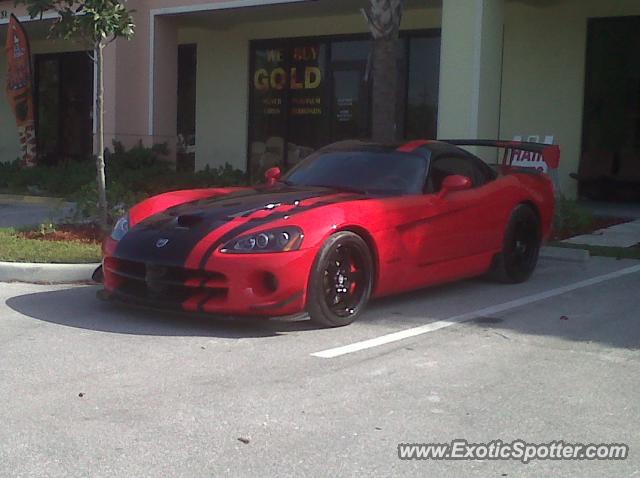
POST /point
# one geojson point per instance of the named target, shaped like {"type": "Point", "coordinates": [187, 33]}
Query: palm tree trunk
{"type": "Point", "coordinates": [102, 188]}
{"type": "Point", "coordinates": [383, 18]}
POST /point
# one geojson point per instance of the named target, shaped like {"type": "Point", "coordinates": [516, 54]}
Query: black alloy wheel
{"type": "Point", "coordinates": [341, 280]}
{"type": "Point", "coordinates": [521, 247]}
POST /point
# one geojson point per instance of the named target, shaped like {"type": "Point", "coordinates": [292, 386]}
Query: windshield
{"type": "Point", "coordinates": [362, 171]}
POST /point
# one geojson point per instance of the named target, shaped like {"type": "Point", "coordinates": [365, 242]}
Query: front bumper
{"type": "Point", "coordinates": [268, 285]}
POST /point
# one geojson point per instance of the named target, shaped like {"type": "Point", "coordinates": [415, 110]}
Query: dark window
{"type": "Point", "coordinates": [186, 121]}
{"type": "Point", "coordinates": [371, 172]}
{"type": "Point", "coordinates": [610, 160]}
{"type": "Point", "coordinates": [468, 166]}
{"type": "Point", "coordinates": [422, 87]}
{"type": "Point", "coordinates": [351, 93]}
{"type": "Point", "coordinates": [64, 99]}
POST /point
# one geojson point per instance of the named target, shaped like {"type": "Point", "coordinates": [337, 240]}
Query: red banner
{"type": "Point", "coordinates": [19, 88]}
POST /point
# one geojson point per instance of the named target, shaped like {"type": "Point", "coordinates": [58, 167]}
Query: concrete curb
{"type": "Point", "coordinates": [17, 198]}
{"type": "Point", "coordinates": [565, 254]}
{"type": "Point", "coordinates": [45, 273]}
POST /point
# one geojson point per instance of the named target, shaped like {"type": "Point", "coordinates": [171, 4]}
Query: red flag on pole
{"type": "Point", "coordinates": [19, 88]}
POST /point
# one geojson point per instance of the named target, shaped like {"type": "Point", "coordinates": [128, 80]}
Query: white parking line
{"type": "Point", "coordinates": [441, 324]}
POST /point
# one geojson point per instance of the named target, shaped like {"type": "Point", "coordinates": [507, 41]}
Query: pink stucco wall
{"type": "Point", "coordinates": [130, 113]}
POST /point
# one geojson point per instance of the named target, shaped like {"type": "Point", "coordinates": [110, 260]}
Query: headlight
{"type": "Point", "coordinates": [275, 240]}
{"type": "Point", "coordinates": [121, 228]}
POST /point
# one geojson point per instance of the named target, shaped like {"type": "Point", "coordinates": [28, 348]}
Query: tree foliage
{"type": "Point", "coordinates": [94, 21]}
{"type": "Point", "coordinates": [384, 18]}
{"type": "Point", "coordinates": [97, 23]}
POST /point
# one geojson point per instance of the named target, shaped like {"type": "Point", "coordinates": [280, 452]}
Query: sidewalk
{"type": "Point", "coordinates": [621, 235]}
{"type": "Point", "coordinates": [19, 211]}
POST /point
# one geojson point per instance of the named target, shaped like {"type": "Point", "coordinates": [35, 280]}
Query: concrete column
{"type": "Point", "coordinates": [165, 83]}
{"type": "Point", "coordinates": [470, 69]}
{"type": "Point", "coordinates": [132, 81]}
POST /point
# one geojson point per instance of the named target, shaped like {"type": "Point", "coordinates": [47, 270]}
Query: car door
{"type": "Point", "coordinates": [459, 224]}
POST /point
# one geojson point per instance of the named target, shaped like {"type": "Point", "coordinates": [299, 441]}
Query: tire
{"type": "Point", "coordinates": [520, 248]}
{"type": "Point", "coordinates": [341, 281]}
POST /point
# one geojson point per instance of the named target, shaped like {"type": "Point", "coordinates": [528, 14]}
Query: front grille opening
{"type": "Point", "coordinates": [165, 284]}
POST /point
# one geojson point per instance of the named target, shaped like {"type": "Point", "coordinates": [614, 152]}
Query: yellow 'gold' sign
{"type": "Point", "coordinates": [297, 77]}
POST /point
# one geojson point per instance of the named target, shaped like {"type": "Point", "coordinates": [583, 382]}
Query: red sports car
{"type": "Point", "coordinates": [352, 221]}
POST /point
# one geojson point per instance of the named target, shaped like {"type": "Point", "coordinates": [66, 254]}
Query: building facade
{"type": "Point", "coordinates": [256, 83]}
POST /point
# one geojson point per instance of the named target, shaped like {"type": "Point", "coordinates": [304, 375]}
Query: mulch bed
{"type": "Point", "coordinates": [85, 233]}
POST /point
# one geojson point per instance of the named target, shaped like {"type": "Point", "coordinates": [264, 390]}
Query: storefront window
{"type": "Point", "coordinates": [351, 93]}
{"type": "Point", "coordinates": [306, 93]}
{"type": "Point", "coordinates": [308, 111]}
{"type": "Point", "coordinates": [268, 110]}
{"type": "Point", "coordinates": [422, 87]}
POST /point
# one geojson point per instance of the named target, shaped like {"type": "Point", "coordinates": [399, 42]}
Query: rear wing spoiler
{"type": "Point", "coordinates": [518, 153]}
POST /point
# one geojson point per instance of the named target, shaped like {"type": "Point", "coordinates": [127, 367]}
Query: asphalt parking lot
{"type": "Point", "coordinates": [93, 389]}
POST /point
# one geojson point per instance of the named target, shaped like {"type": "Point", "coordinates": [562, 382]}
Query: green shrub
{"type": "Point", "coordinates": [61, 180]}
{"type": "Point", "coordinates": [132, 175]}
{"type": "Point", "coordinates": [570, 216]}
{"type": "Point", "coordinates": [140, 172]}
{"type": "Point", "coordinates": [119, 197]}
{"type": "Point", "coordinates": [7, 172]}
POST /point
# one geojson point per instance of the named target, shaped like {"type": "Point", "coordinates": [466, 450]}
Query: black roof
{"type": "Point", "coordinates": [434, 147]}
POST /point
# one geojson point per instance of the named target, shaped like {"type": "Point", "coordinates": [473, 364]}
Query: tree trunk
{"type": "Point", "coordinates": [385, 91]}
{"type": "Point", "coordinates": [383, 18]}
{"type": "Point", "coordinates": [102, 188]}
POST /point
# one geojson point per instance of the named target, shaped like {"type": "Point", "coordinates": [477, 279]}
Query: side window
{"type": "Point", "coordinates": [444, 166]}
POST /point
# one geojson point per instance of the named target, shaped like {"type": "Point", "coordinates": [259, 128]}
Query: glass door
{"type": "Point", "coordinates": [610, 161]}
{"type": "Point", "coordinates": [350, 90]}
{"type": "Point", "coordinates": [64, 99]}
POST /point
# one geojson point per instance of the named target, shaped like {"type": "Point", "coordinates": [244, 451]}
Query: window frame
{"type": "Point", "coordinates": [481, 169]}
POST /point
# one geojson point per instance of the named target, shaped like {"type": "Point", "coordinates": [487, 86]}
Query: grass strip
{"type": "Point", "coordinates": [14, 248]}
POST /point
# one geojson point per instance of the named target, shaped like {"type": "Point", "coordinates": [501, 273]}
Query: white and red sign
{"type": "Point", "coordinates": [528, 159]}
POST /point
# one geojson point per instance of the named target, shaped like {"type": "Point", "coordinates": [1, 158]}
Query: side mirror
{"type": "Point", "coordinates": [272, 175]}
{"type": "Point", "coordinates": [455, 182]}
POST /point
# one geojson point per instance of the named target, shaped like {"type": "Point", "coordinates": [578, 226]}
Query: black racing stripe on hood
{"type": "Point", "coordinates": [255, 222]}
{"type": "Point", "coordinates": [204, 217]}
{"type": "Point", "coordinates": [246, 202]}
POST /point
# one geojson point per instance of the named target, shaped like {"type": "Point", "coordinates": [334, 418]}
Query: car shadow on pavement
{"type": "Point", "coordinates": [621, 332]}
{"type": "Point", "coordinates": [78, 307]}
{"type": "Point", "coordinates": [608, 317]}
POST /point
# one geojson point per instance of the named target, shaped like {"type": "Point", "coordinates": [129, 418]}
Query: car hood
{"type": "Point", "coordinates": [171, 236]}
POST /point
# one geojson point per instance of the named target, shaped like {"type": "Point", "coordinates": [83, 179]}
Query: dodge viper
{"type": "Point", "coordinates": [352, 221]}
